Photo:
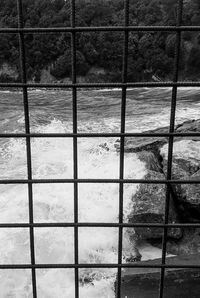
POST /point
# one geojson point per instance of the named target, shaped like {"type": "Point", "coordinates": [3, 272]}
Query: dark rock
{"type": "Point", "coordinates": [149, 201]}
{"type": "Point", "coordinates": [189, 244]}
{"type": "Point", "coordinates": [186, 196]}
{"type": "Point", "coordinates": [104, 146]}
{"type": "Point", "coordinates": [141, 143]}
{"type": "Point", "coordinates": [137, 144]}
{"type": "Point", "coordinates": [190, 194]}
{"type": "Point", "coordinates": [177, 172]}
{"type": "Point", "coordinates": [152, 162]}
{"type": "Point", "coordinates": [185, 158]}
{"type": "Point", "coordinates": [189, 126]}
{"type": "Point", "coordinates": [179, 282]}
{"type": "Point", "coordinates": [190, 166]}
{"type": "Point", "coordinates": [149, 207]}
{"type": "Point", "coordinates": [135, 256]}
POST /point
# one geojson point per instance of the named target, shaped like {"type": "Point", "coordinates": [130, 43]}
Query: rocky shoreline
{"type": "Point", "coordinates": [148, 204]}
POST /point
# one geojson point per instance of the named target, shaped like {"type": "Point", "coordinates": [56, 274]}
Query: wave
{"type": "Point", "coordinates": [53, 158]}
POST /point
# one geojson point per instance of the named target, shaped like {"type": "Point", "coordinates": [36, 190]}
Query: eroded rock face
{"type": "Point", "coordinates": [149, 200]}
{"type": "Point", "coordinates": [186, 156]}
{"type": "Point", "coordinates": [185, 165]}
{"type": "Point", "coordinates": [189, 244]}
{"type": "Point", "coordinates": [189, 126]}
{"type": "Point", "coordinates": [190, 194]}
{"type": "Point", "coordinates": [152, 162]}
{"type": "Point", "coordinates": [138, 144]}
{"type": "Point", "coordinates": [153, 144]}
{"type": "Point", "coordinates": [149, 207]}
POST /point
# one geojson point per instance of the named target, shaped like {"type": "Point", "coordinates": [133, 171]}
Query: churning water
{"type": "Point", "coordinates": [51, 111]}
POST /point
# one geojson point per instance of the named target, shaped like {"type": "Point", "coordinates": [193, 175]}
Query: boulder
{"type": "Point", "coordinates": [190, 166]}
{"type": "Point", "coordinates": [189, 126]}
{"type": "Point", "coordinates": [149, 207]}
{"type": "Point", "coordinates": [190, 195]}
{"type": "Point", "coordinates": [152, 162]}
{"type": "Point", "coordinates": [185, 165]}
{"type": "Point", "coordinates": [188, 244]}
{"type": "Point", "coordinates": [140, 143]}
{"type": "Point", "coordinates": [186, 157]}
{"type": "Point", "coordinates": [148, 203]}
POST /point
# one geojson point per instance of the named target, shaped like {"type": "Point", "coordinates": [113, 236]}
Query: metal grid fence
{"type": "Point", "coordinates": [126, 29]}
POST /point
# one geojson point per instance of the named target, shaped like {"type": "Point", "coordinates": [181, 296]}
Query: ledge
{"type": "Point", "coordinates": [145, 282]}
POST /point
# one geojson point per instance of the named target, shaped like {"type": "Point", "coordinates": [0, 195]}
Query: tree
{"type": "Point", "coordinates": [63, 65]}
{"type": "Point", "coordinates": [148, 51]}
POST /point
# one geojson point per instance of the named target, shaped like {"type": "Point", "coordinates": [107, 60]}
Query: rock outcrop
{"type": "Point", "coordinates": [154, 144]}
{"type": "Point", "coordinates": [149, 201]}
{"type": "Point", "coordinates": [149, 207]}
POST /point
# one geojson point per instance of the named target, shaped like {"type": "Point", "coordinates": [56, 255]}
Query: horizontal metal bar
{"type": "Point", "coordinates": [98, 135]}
{"type": "Point", "coordinates": [150, 181]}
{"type": "Point", "coordinates": [97, 225]}
{"type": "Point", "coordinates": [103, 85]}
{"type": "Point", "coordinates": [125, 265]}
{"type": "Point", "coordinates": [101, 28]}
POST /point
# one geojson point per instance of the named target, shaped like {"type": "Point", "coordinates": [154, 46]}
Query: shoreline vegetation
{"type": "Point", "coordinates": [99, 54]}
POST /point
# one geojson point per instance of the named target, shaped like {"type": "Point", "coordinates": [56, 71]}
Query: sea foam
{"type": "Point", "coordinates": [98, 202]}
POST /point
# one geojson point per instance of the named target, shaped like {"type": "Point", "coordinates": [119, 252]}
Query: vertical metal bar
{"type": "Point", "coordinates": [122, 139]}
{"type": "Point", "coordinates": [75, 154]}
{"type": "Point", "coordinates": [28, 142]}
{"type": "Point", "coordinates": [171, 139]}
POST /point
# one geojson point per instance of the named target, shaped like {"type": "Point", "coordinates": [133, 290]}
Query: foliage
{"type": "Point", "coordinates": [150, 53]}
{"type": "Point", "coordinates": [63, 65]}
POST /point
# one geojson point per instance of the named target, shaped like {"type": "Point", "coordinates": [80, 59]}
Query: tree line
{"type": "Point", "coordinates": [150, 54]}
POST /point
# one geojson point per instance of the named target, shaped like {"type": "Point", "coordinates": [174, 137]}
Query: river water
{"type": "Point", "coordinates": [51, 111]}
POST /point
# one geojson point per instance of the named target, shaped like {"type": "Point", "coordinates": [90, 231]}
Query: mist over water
{"type": "Point", "coordinates": [51, 111]}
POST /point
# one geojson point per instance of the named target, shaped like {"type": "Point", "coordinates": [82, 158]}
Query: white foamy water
{"type": "Point", "coordinates": [53, 158]}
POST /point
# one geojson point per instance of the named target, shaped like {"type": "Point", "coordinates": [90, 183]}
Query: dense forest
{"type": "Point", "coordinates": [99, 54]}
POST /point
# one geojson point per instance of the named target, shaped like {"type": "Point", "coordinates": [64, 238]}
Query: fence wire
{"type": "Point", "coordinates": [175, 83]}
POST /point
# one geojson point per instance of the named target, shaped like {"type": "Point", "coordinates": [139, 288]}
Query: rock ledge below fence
{"type": "Point", "coordinates": [179, 282]}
